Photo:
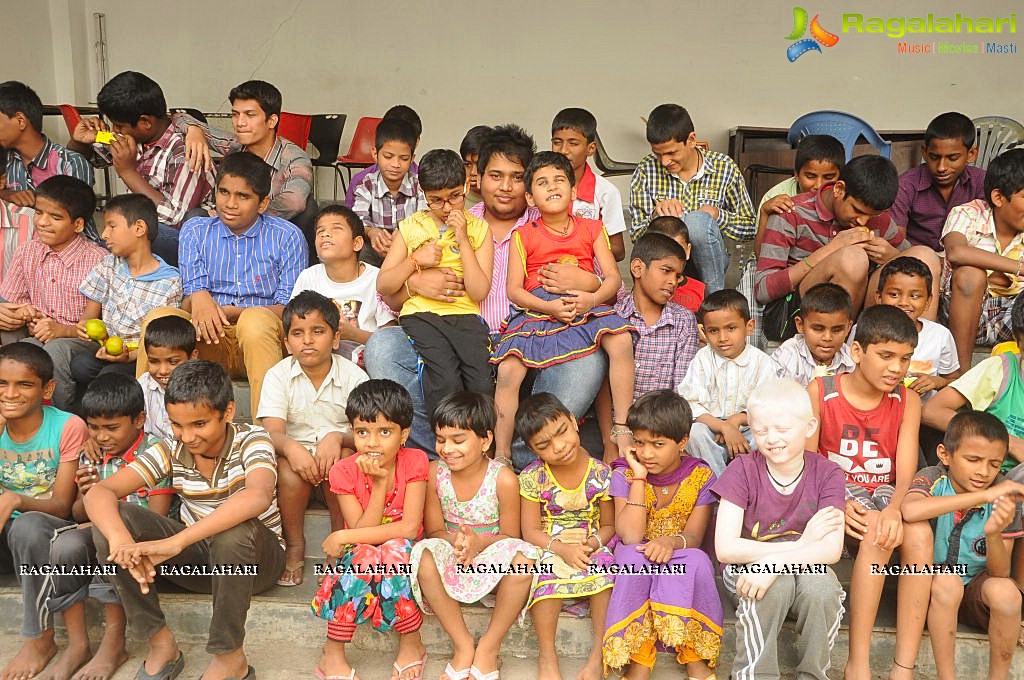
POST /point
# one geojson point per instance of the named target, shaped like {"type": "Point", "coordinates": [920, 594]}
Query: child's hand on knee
{"type": "Point", "coordinates": [754, 586]}
{"type": "Point", "coordinates": [658, 550]}
{"type": "Point", "coordinates": [856, 520]}
{"type": "Point", "coordinates": [888, 528]}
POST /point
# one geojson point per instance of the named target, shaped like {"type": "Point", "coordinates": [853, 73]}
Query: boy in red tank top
{"type": "Point", "coordinates": [869, 426]}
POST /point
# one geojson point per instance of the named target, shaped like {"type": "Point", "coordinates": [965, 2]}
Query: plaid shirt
{"type": "Point", "coordinates": [52, 159]}
{"type": "Point", "coordinates": [663, 351]}
{"type": "Point", "coordinates": [292, 180]}
{"type": "Point", "coordinates": [976, 221]}
{"type": "Point", "coordinates": [49, 279]}
{"type": "Point", "coordinates": [162, 163]}
{"type": "Point", "coordinates": [125, 300]}
{"type": "Point", "coordinates": [378, 207]}
{"type": "Point", "coordinates": [793, 359]}
{"type": "Point", "coordinates": [718, 182]}
{"type": "Point", "coordinates": [112, 463]}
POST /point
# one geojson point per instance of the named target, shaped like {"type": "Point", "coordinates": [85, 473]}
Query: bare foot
{"type": "Point", "coordinates": [69, 661]}
{"type": "Point", "coordinates": [409, 656]}
{"type": "Point", "coordinates": [900, 673]}
{"type": "Point", "coordinates": [853, 672]}
{"type": "Point", "coordinates": [547, 668]}
{"type": "Point", "coordinates": [637, 671]}
{"type": "Point", "coordinates": [104, 663]}
{"type": "Point", "coordinates": [230, 665]}
{"type": "Point", "coordinates": [593, 670]}
{"type": "Point", "coordinates": [31, 659]}
{"type": "Point", "coordinates": [333, 663]}
{"type": "Point", "coordinates": [485, 658]}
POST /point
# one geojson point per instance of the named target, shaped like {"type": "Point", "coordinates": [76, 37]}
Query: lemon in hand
{"type": "Point", "coordinates": [114, 346]}
{"type": "Point", "coordinates": [96, 329]}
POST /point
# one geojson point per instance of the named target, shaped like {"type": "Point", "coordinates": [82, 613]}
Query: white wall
{"type": "Point", "coordinates": [461, 63]}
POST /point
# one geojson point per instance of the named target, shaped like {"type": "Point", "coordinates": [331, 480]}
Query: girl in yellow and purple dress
{"type": "Point", "coordinates": [567, 511]}
{"type": "Point", "coordinates": [381, 492]}
{"type": "Point", "coordinates": [665, 596]}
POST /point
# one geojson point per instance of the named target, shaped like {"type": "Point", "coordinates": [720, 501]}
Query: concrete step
{"type": "Point", "coordinates": [280, 620]}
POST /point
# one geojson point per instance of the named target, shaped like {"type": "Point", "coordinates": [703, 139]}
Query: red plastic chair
{"type": "Point", "coordinates": [295, 128]}
{"type": "Point", "coordinates": [360, 150]}
{"type": "Point", "coordinates": [71, 116]}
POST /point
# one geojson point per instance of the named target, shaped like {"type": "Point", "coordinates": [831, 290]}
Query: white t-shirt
{"type": "Point", "coordinates": [357, 299]}
{"type": "Point", "coordinates": [936, 352]}
{"type": "Point", "coordinates": [607, 206]}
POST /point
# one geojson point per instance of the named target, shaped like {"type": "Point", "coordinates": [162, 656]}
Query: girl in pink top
{"type": "Point", "coordinates": [380, 492]}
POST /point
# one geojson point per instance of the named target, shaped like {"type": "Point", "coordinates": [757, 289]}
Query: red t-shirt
{"type": "Point", "coordinates": [411, 465]}
{"type": "Point", "coordinates": [537, 247]}
{"type": "Point", "coordinates": [862, 443]}
{"type": "Point", "coordinates": [689, 294]}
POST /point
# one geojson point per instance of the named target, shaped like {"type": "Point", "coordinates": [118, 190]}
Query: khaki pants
{"type": "Point", "coordinates": [250, 346]}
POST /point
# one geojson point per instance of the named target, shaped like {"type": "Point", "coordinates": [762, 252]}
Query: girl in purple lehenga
{"type": "Point", "coordinates": [665, 594]}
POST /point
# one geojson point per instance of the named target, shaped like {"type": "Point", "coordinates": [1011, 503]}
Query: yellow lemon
{"type": "Point", "coordinates": [96, 329]}
{"type": "Point", "coordinates": [114, 346]}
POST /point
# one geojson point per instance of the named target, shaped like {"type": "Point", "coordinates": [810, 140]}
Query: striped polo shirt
{"type": "Point", "coordinates": [791, 237]}
{"type": "Point", "coordinates": [247, 448]}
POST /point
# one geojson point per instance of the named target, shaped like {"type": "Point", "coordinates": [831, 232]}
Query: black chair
{"type": "Point", "coordinates": [325, 134]}
{"type": "Point", "coordinates": [606, 165]}
{"type": "Point", "coordinates": [195, 113]}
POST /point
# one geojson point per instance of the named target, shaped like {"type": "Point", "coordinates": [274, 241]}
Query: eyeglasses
{"type": "Point", "coordinates": [455, 200]}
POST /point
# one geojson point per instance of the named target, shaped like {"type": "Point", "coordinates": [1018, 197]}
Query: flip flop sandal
{"type": "Point", "coordinates": [323, 676]}
{"type": "Point", "coordinates": [292, 575]}
{"type": "Point", "coordinates": [250, 674]}
{"type": "Point", "coordinates": [396, 670]}
{"type": "Point", "coordinates": [170, 670]}
{"type": "Point", "coordinates": [476, 674]}
{"type": "Point", "coordinates": [451, 674]}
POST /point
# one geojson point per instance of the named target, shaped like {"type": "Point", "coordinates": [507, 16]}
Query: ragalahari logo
{"type": "Point", "coordinates": [819, 36]}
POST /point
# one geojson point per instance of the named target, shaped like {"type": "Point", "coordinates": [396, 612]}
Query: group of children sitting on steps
{"type": "Point", "coordinates": [718, 460]}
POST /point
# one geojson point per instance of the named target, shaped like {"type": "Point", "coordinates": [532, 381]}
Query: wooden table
{"type": "Point", "coordinates": [749, 145]}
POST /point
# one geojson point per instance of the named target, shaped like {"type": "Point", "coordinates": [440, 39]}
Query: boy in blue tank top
{"type": "Point", "coordinates": [39, 448]}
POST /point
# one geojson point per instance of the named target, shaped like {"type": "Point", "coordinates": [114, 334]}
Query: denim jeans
{"type": "Point", "coordinates": [709, 254]}
{"type": "Point", "coordinates": [389, 354]}
{"type": "Point", "coordinates": [166, 244]}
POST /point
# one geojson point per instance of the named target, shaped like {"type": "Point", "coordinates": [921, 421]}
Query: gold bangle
{"type": "Point", "coordinates": [685, 542]}
{"type": "Point", "coordinates": [408, 291]}
{"type": "Point", "coordinates": [807, 261]}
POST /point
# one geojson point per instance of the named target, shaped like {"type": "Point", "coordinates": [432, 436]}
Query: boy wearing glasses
{"type": "Point", "coordinates": [448, 333]}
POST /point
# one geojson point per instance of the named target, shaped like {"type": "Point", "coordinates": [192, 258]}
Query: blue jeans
{"type": "Point", "coordinates": [709, 254]}
{"type": "Point", "coordinates": [166, 244]}
{"type": "Point", "coordinates": [702, 445]}
{"type": "Point", "coordinates": [389, 354]}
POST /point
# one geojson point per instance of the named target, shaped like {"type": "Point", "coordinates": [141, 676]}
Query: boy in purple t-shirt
{"type": "Point", "coordinates": [780, 523]}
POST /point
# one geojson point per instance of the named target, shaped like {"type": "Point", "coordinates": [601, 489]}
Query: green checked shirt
{"type": "Point", "coordinates": [718, 182]}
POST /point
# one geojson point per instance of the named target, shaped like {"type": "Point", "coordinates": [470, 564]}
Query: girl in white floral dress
{"type": "Point", "coordinates": [471, 521]}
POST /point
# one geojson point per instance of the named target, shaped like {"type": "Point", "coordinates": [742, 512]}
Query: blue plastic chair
{"type": "Point", "coordinates": [843, 126]}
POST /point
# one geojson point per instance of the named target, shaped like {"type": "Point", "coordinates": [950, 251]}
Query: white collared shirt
{"type": "Point", "coordinates": [720, 387]}
{"type": "Point", "coordinates": [309, 414]}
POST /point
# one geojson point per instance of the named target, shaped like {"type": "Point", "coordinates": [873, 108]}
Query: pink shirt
{"type": "Point", "coordinates": [49, 279]}
{"type": "Point", "coordinates": [494, 308]}
{"type": "Point", "coordinates": [411, 465]}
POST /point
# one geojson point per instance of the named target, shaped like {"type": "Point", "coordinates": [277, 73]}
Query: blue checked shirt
{"type": "Point", "coordinates": [256, 268]}
{"type": "Point", "coordinates": [718, 183]}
